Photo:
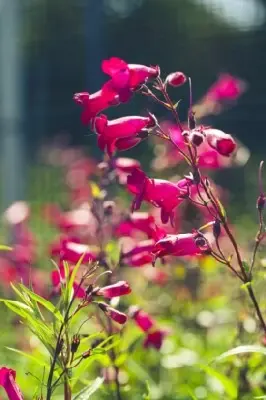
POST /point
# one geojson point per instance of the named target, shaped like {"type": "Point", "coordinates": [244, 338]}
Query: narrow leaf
{"type": "Point", "coordinates": [229, 386]}
{"type": "Point", "coordinates": [242, 350]}
{"type": "Point", "coordinates": [86, 393]}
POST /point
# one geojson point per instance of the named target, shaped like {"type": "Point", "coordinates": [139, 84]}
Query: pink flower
{"type": "Point", "coordinates": [161, 193]}
{"type": "Point", "coordinates": [220, 141]}
{"type": "Point", "coordinates": [185, 244]}
{"type": "Point", "coordinates": [7, 381]}
{"type": "Point", "coordinates": [227, 87]}
{"type": "Point", "coordinates": [72, 252]}
{"type": "Point", "coordinates": [58, 277]}
{"type": "Point", "coordinates": [112, 313]}
{"type": "Point", "coordinates": [137, 221]}
{"type": "Point", "coordinates": [123, 167]}
{"type": "Point", "coordinates": [154, 339]}
{"type": "Point", "coordinates": [154, 336]}
{"type": "Point", "coordinates": [140, 254]}
{"type": "Point", "coordinates": [120, 133]}
{"type": "Point", "coordinates": [120, 288]}
{"type": "Point", "coordinates": [176, 79]}
{"type": "Point", "coordinates": [95, 103]}
{"type": "Point", "coordinates": [144, 321]}
{"type": "Point", "coordinates": [126, 78]}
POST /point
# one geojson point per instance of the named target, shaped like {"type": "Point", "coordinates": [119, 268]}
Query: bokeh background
{"type": "Point", "coordinates": [51, 49]}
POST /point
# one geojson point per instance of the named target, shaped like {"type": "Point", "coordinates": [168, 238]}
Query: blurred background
{"type": "Point", "coordinates": [52, 49]}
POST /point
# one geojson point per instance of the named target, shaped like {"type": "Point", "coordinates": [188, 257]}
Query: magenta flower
{"type": "Point", "coordinates": [227, 87]}
{"type": "Point", "coordinates": [223, 143]}
{"type": "Point", "coordinates": [120, 133]}
{"type": "Point", "coordinates": [161, 193]}
{"type": "Point", "coordinates": [112, 313]}
{"type": "Point", "coordinates": [154, 336]}
{"type": "Point", "coordinates": [176, 79]}
{"type": "Point", "coordinates": [126, 78]}
{"type": "Point", "coordinates": [154, 339]}
{"type": "Point", "coordinates": [58, 278]}
{"type": "Point", "coordinates": [144, 321]}
{"type": "Point", "coordinates": [123, 167]}
{"type": "Point", "coordinates": [72, 251]}
{"type": "Point", "coordinates": [7, 381]}
{"type": "Point", "coordinates": [95, 103]}
{"type": "Point", "coordinates": [185, 244]}
{"type": "Point", "coordinates": [120, 288]}
{"type": "Point", "coordinates": [137, 221]}
{"type": "Point", "coordinates": [140, 254]}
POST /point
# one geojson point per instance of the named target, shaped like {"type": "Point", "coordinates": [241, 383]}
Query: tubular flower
{"type": "Point", "coordinates": [144, 321]}
{"type": "Point", "coordinates": [112, 313]}
{"type": "Point", "coordinates": [223, 143]}
{"type": "Point", "coordinates": [154, 339]}
{"type": "Point", "coordinates": [7, 381]}
{"type": "Point", "coordinates": [227, 87]}
{"type": "Point", "coordinates": [161, 193]}
{"type": "Point", "coordinates": [58, 278]}
{"type": "Point", "coordinates": [72, 252]}
{"type": "Point", "coordinates": [140, 255]}
{"type": "Point", "coordinates": [121, 133]}
{"type": "Point", "coordinates": [126, 78]}
{"type": "Point", "coordinates": [95, 103]}
{"type": "Point", "coordinates": [137, 221]}
{"type": "Point", "coordinates": [187, 244]}
{"type": "Point", "coordinates": [154, 336]}
{"type": "Point", "coordinates": [120, 288]}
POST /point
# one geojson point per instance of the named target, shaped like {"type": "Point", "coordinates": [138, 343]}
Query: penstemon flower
{"type": "Point", "coordinates": [7, 381]}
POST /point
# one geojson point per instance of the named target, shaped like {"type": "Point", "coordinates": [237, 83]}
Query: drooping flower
{"type": "Point", "coordinates": [161, 193]}
{"type": "Point", "coordinates": [126, 78]}
{"type": "Point", "coordinates": [155, 339]}
{"type": "Point", "coordinates": [222, 142]}
{"type": "Point", "coordinates": [95, 103]}
{"type": "Point", "coordinates": [121, 133]}
{"type": "Point", "coordinates": [144, 321]}
{"type": "Point", "coordinates": [185, 244]}
{"type": "Point", "coordinates": [154, 335]}
{"type": "Point", "coordinates": [137, 221]}
{"type": "Point", "coordinates": [176, 79]}
{"type": "Point", "coordinates": [120, 288]}
{"type": "Point", "coordinates": [7, 381]}
{"type": "Point", "coordinates": [112, 313]}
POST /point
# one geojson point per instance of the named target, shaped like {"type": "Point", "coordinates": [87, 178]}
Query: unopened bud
{"type": "Point", "coordinates": [261, 202]}
{"type": "Point", "coordinates": [176, 79]}
{"type": "Point", "coordinates": [191, 120]}
{"type": "Point", "coordinates": [86, 354]}
{"type": "Point", "coordinates": [216, 229]}
{"type": "Point", "coordinates": [75, 343]}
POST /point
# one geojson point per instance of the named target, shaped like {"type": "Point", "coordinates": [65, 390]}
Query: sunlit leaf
{"type": "Point", "coordinates": [242, 350]}
{"type": "Point", "coordinates": [88, 391]}
{"type": "Point", "coordinates": [228, 384]}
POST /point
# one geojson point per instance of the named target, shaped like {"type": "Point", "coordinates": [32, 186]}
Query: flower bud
{"type": "Point", "coordinates": [223, 143]}
{"type": "Point", "coordinates": [216, 229]}
{"type": "Point", "coordinates": [261, 202]}
{"type": "Point", "coordinates": [75, 343]}
{"type": "Point", "coordinates": [176, 79]}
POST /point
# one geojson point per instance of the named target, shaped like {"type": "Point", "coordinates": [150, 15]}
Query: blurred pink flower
{"type": "Point", "coordinates": [112, 313]}
{"type": "Point", "coordinates": [120, 288]}
{"type": "Point", "coordinates": [137, 221]}
{"type": "Point", "coordinates": [7, 381]}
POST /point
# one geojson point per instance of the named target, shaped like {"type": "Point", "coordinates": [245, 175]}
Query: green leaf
{"type": "Point", "coordinates": [229, 386]}
{"type": "Point", "coordinates": [246, 266]}
{"type": "Point", "coordinates": [86, 393]}
{"type": "Point", "coordinates": [245, 285]}
{"type": "Point", "coordinates": [147, 396]}
{"type": "Point", "coordinates": [30, 357]}
{"type": "Point", "coordinates": [242, 350]}
{"type": "Point", "coordinates": [45, 303]}
{"type": "Point", "coordinates": [19, 308]}
{"type": "Point", "coordinates": [73, 277]}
